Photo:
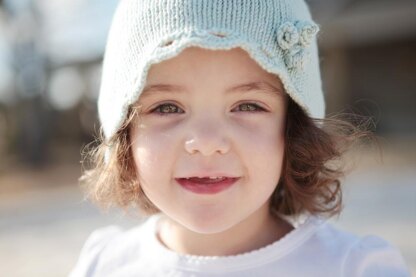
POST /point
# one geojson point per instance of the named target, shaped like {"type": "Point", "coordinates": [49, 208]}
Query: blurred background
{"type": "Point", "coordinates": [50, 66]}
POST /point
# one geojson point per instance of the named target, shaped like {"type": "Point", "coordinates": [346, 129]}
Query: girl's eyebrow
{"type": "Point", "coordinates": [162, 88]}
{"type": "Point", "coordinates": [256, 86]}
{"type": "Point", "coordinates": [246, 87]}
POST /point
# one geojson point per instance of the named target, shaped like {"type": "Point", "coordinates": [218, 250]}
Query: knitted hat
{"type": "Point", "coordinates": [278, 34]}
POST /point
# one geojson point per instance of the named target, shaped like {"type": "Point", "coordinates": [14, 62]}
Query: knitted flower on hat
{"type": "Point", "coordinates": [294, 39]}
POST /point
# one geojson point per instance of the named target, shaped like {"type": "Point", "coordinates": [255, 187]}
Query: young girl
{"type": "Point", "coordinates": [212, 113]}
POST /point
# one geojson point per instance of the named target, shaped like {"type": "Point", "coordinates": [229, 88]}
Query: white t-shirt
{"type": "Point", "coordinates": [314, 248]}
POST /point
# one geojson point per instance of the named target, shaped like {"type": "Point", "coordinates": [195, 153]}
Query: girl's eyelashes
{"type": "Point", "coordinates": [250, 107]}
{"type": "Point", "coordinates": [167, 108]}
{"type": "Point", "coordinates": [170, 108]}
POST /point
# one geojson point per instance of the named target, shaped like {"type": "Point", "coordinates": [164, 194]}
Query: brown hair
{"type": "Point", "coordinates": [311, 173]}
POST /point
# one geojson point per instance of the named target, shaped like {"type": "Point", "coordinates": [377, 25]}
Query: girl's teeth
{"type": "Point", "coordinates": [212, 178]}
{"type": "Point", "coordinates": [206, 179]}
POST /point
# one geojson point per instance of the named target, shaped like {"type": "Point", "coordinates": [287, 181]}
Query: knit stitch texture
{"type": "Point", "coordinates": [279, 35]}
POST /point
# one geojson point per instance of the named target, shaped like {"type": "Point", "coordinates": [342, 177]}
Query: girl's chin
{"type": "Point", "coordinates": [205, 227]}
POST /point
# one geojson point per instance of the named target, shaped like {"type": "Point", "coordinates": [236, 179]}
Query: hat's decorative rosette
{"type": "Point", "coordinates": [295, 39]}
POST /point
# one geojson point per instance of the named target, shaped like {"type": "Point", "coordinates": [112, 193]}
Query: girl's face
{"type": "Point", "coordinates": [208, 113]}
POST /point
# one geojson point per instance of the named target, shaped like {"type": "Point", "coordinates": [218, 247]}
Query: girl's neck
{"type": "Point", "coordinates": [255, 232]}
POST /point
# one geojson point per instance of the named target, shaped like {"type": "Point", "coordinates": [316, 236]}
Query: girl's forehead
{"type": "Point", "coordinates": [263, 86]}
{"type": "Point", "coordinates": [194, 64]}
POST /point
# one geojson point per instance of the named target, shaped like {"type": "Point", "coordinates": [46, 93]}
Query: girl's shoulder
{"type": "Point", "coordinates": [373, 256]}
{"type": "Point", "coordinates": [110, 247]}
{"type": "Point", "coordinates": [367, 255]}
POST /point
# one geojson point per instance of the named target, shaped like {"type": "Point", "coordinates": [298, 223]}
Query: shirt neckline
{"type": "Point", "coordinates": [221, 264]}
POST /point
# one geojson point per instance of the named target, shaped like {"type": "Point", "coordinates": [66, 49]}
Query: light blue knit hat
{"type": "Point", "coordinates": [279, 34]}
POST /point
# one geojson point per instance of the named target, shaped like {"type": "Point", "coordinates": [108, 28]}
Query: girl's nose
{"type": "Point", "coordinates": [207, 139]}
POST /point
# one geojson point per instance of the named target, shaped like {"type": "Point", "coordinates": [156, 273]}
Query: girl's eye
{"type": "Point", "coordinates": [250, 107]}
{"type": "Point", "coordinates": [167, 108]}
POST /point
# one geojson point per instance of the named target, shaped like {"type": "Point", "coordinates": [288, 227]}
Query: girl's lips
{"type": "Point", "coordinates": [205, 185]}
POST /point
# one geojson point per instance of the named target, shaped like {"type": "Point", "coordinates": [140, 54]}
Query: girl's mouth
{"type": "Point", "coordinates": [206, 185]}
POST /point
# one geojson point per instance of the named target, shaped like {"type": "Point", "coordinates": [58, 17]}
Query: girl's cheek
{"type": "Point", "coordinates": [154, 138]}
{"type": "Point", "coordinates": [259, 127]}
{"type": "Point", "coordinates": [261, 138]}
{"type": "Point", "coordinates": [150, 152]}
{"type": "Point", "coordinates": [155, 124]}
